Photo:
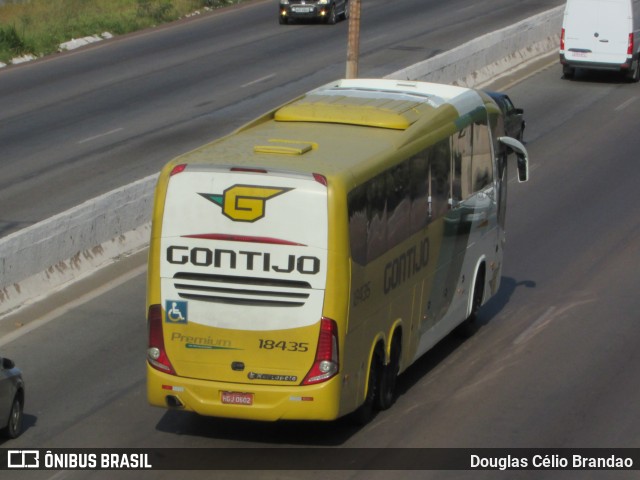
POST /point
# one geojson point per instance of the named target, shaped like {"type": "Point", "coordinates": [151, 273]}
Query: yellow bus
{"type": "Point", "coordinates": [298, 265]}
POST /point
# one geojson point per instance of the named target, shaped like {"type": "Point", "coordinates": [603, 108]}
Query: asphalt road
{"type": "Point", "coordinates": [554, 363]}
{"type": "Point", "coordinates": [76, 125]}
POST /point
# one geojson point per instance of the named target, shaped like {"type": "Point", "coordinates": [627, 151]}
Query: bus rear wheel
{"type": "Point", "coordinates": [388, 379]}
{"type": "Point", "coordinates": [365, 412]}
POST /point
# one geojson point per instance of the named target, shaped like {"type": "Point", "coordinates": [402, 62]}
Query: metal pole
{"type": "Point", "coordinates": [353, 47]}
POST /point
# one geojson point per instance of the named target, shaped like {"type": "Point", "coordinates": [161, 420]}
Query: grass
{"type": "Point", "coordinates": [38, 27]}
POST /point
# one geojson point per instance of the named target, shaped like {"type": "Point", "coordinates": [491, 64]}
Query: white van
{"type": "Point", "coordinates": [601, 35]}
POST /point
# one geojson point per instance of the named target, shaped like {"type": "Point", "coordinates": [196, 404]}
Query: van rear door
{"type": "Point", "coordinates": [597, 31]}
{"type": "Point", "coordinates": [243, 274]}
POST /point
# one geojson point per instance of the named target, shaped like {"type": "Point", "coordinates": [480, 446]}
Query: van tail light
{"type": "Point", "coordinates": [156, 353]}
{"type": "Point", "coordinates": [630, 46]}
{"type": "Point", "coordinates": [562, 41]}
{"type": "Point", "coordinates": [325, 365]}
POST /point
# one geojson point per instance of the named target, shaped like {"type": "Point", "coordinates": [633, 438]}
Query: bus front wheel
{"type": "Point", "coordinates": [469, 326]}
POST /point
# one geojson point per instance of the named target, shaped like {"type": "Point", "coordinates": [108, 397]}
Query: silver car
{"type": "Point", "coordinates": [11, 399]}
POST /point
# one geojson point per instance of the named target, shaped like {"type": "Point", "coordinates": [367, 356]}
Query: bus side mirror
{"type": "Point", "coordinates": [522, 157]}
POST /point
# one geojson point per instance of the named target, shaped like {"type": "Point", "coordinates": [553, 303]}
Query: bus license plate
{"type": "Point", "coordinates": [237, 398]}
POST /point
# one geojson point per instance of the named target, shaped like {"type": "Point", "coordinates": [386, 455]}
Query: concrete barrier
{"type": "Point", "coordinates": [63, 249]}
{"type": "Point", "coordinates": [482, 59]}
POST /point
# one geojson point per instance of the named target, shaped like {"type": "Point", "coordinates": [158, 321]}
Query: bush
{"type": "Point", "coordinates": [11, 43]}
{"type": "Point", "coordinates": [158, 11]}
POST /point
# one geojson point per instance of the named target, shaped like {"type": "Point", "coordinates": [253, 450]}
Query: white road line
{"type": "Point", "coordinates": [110, 132]}
{"type": "Point", "coordinates": [543, 320]}
{"type": "Point", "coordinates": [626, 104]}
{"type": "Point", "coordinates": [59, 475]}
{"type": "Point", "coordinates": [549, 315]}
{"type": "Point", "coordinates": [259, 80]}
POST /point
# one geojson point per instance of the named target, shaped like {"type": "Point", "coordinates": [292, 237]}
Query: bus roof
{"type": "Point", "coordinates": [342, 125]}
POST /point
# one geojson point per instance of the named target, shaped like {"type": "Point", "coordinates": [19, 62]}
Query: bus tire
{"type": "Point", "coordinates": [469, 326]}
{"type": "Point", "coordinates": [389, 377]}
{"type": "Point", "coordinates": [365, 412]}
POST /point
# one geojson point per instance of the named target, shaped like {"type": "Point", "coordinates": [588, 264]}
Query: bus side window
{"type": "Point", "coordinates": [440, 178]}
{"type": "Point", "coordinates": [463, 155]}
{"type": "Point", "coordinates": [357, 201]}
{"type": "Point", "coordinates": [376, 217]}
{"type": "Point", "coordinates": [419, 185]}
{"type": "Point", "coordinates": [397, 182]}
{"type": "Point", "coordinates": [482, 166]}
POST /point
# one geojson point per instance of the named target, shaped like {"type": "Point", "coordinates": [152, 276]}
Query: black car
{"type": "Point", "coordinates": [11, 399]}
{"type": "Point", "coordinates": [513, 117]}
{"type": "Point", "coordinates": [327, 11]}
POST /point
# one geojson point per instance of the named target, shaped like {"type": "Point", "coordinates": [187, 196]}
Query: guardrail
{"type": "Point", "coordinates": [63, 249]}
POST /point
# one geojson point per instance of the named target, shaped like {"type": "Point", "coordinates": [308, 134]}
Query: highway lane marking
{"type": "Point", "coordinates": [624, 105]}
{"type": "Point", "coordinates": [259, 80]}
{"type": "Point", "coordinates": [519, 67]}
{"type": "Point", "coordinates": [538, 325]}
{"type": "Point", "coordinates": [543, 320]}
{"type": "Point", "coordinates": [100, 135]}
{"type": "Point", "coordinates": [52, 315]}
{"type": "Point", "coordinates": [59, 475]}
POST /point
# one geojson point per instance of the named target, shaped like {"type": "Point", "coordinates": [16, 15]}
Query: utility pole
{"type": "Point", "coordinates": [353, 47]}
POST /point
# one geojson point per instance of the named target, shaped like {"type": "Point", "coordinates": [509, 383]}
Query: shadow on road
{"type": "Point", "coordinates": [337, 433]}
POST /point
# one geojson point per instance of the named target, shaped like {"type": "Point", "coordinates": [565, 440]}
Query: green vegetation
{"type": "Point", "coordinates": [38, 27]}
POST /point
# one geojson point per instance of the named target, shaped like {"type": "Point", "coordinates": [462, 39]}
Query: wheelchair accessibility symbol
{"type": "Point", "coordinates": [176, 311]}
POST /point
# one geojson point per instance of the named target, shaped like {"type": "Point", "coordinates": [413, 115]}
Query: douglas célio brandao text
{"type": "Point", "coordinates": [550, 461]}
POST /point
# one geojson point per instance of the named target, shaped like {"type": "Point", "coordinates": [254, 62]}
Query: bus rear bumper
{"type": "Point", "coordinates": [244, 401]}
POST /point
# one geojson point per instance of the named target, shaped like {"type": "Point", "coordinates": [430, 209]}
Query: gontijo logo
{"type": "Point", "coordinates": [244, 203]}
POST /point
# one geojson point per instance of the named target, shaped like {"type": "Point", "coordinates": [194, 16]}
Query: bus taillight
{"type": "Point", "coordinates": [178, 169]}
{"type": "Point", "coordinates": [326, 363]}
{"type": "Point", "coordinates": [156, 354]}
{"type": "Point", "coordinates": [321, 179]}
{"type": "Point", "coordinates": [562, 41]}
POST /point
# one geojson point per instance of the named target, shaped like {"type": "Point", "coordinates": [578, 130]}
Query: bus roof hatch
{"type": "Point", "coordinates": [397, 114]}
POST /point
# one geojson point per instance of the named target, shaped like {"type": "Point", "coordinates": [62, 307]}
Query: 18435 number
{"type": "Point", "coordinates": [283, 345]}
